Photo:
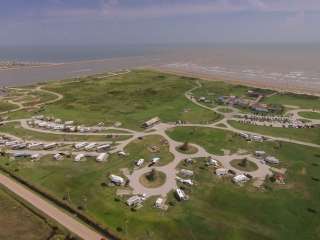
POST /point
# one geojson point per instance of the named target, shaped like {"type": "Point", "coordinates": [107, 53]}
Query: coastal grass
{"type": "Point", "coordinates": [217, 209]}
{"type": "Point", "coordinates": [19, 223]}
{"type": "Point", "coordinates": [131, 99]}
{"type": "Point", "coordinates": [310, 115]}
{"type": "Point", "coordinates": [244, 165]}
{"type": "Point", "coordinates": [17, 130]}
{"type": "Point", "coordinates": [6, 106]}
{"type": "Point", "coordinates": [292, 99]}
{"type": "Point", "coordinates": [149, 147]}
{"type": "Point", "coordinates": [311, 135]}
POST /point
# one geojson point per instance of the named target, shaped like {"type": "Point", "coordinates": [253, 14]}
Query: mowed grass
{"type": "Point", "coordinates": [149, 147]}
{"type": "Point", "coordinates": [131, 99]}
{"type": "Point", "coordinates": [6, 106]}
{"type": "Point", "coordinates": [216, 209]}
{"type": "Point", "coordinates": [17, 130]}
{"type": "Point", "coordinates": [19, 223]}
{"type": "Point", "coordinates": [310, 115]}
{"type": "Point", "coordinates": [300, 100]}
{"type": "Point", "coordinates": [311, 135]}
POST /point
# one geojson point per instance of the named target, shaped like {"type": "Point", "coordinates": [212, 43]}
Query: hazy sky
{"type": "Point", "coordinates": [157, 21]}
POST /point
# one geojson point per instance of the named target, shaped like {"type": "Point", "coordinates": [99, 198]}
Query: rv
{"type": "Point", "coordinates": [134, 201]}
{"type": "Point", "coordinates": [221, 172]}
{"type": "Point", "coordinates": [240, 179]}
{"type": "Point", "coordinates": [58, 156]}
{"type": "Point", "coordinates": [181, 195]}
{"type": "Point", "coordinates": [186, 173]}
{"type": "Point", "coordinates": [140, 162]}
{"type": "Point", "coordinates": [49, 146]}
{"type": "Point", "coordinates": [101, 157]}
{"type": "Point", "coordinates": [79, 157]}
{"type": "Point", "coordinates": [116, 179]}
{"type": "Point", "coordinates": [80, 145]}
{"type": "Point", "coordinates": [151, 122]}
{"type": "Point", "coordinates": [103, 147]}
{"type": "Point", "coordinates": [34, 145]}
{"type": "Point", "coordinates": [90, 146]}
{"type": "Point", "coordinates": [272, 160]}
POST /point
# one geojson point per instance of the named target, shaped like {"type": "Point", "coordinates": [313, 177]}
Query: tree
{"type": "Point", "coordinates": [184, 146]}
{"type": "Point", "coordinates": [244, 162]}
{"type": "Point", "coordinates": [152, 175]}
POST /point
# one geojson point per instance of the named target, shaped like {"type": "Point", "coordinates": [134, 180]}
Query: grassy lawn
{"type": "Point", "coordinates": [18, 222]}
{"type": "Point", "coordinates": [300, 100]}
{"type": "Point", "coordinates": [131, 99]}
{"type": "Point", "coordinates": [16, 130]}
{"type": "Point", "coordinates": [216, 209]}
{"type": "Point", "coordinates": [225, 110]}
{"type": "Point", "coordinates": [247, 166]}
{"type": "Point", "coordinates": [149, 147]}
{"type": "Point", "coordinates": [310, 115]}
{"type": "Point", "coordinates": [6, 106]}
{"type": "Point", "coordinates": [311, 135]}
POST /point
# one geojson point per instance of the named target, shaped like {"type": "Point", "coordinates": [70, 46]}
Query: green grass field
{"type": "Point", "coordinates": [17, 130]}
{"type": "Point", "coordinates": [131, 99]}
{"type": "Point", "coordinates": [311, 135]}
{"type": "Point", "coordinates": [302, 101]}
{"type": "Point", "coordinates": [6, 106]}
{"type": "Point", "coordinates": [216, 210]}
{"type": "Point", "coordinates": [18, 222]}
{"type": "Point", "coordinates": [310, 115]}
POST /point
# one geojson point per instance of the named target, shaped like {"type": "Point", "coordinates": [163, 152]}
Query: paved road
{"type": "Point", "coordinates": [50, 210]}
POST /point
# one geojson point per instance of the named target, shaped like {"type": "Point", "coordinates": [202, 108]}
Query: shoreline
{"type": "Point", "coordinates": [250, 83]}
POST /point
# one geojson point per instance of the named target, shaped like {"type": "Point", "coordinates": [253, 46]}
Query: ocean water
{"type": "Point", "coordinates": [287, 65]}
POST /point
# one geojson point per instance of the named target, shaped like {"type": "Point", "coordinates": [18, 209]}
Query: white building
{"type": "Point", "coordinates": [140, 162]}
{"type": "Point", "coordinates": [159, 203]}
{"type": "Point", "coordinates": [79, 157]}
{"type": "Point", "coordinates": [101, 157]}
{"type": "Point", "coordinates": [260, 153]}
{"type": "Point", "coordinates": [134, 201]}
{"type": "Point", "coordinates": [186, 173]}
{"type": "Point", "coordinates": [49, 146]}
{"type": "Point", "coordinates": [181, 195]}
{"type": "Point", "coordinates": [80, 145]}
{"type": "Point", "coordinates": [58, 156]}
{"type": "Point", "coordinates": [155, 160]}
{"type": "Point", "coordinates": [90, 146]}
{"type": "Point", "coordinates": [221, 172]}
{"type": "Point", "coordinates": [272, 160]}
{"type": "Point", "coordinates": [151, 122]}
{"type": "Point", "coordinates": [116, 179]}
{"type": "Point", "coordinates": [240, 179]}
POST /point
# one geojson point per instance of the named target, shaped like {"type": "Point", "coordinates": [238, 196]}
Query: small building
{"type": "Point", "coordinates": [241, 178]}
{"type": "Point", "coordinates": [134, 201]}
{"type": "Point", "coordinates": [151, 122]}
{"type": "Point", "coordinates": [221, 172]}
{"type": "Point", "coordinates": [49, 146]}
{"type": "Point", "coordinates": [155, 160]}
{"type": "Point", "coordinates": [58, 156]}
{"type": "Point", "coordinates": [102, 157]}
{"type": "Point", "coordinates": [140, 162]}
{"type": "Point", "coordinates": [271, 160]}
{"type": "Point", "coordinates": [103, 147]}
{"type": "Point", "coordinates": [212, 162]}
{"type": "Point", "coordinates": [181, 195]}
{"type": "Point", "coordinates": [79, 157]}
{"type": "Point", "coordinates": [260, 153]}
{"type": "Point", "coordinates": [116, 180]}
{"type": "Point", "coordinates": [159, 203]}
{"type": "Point", "coordinates": [80, 145]}
{"type": "Point", "coordinates": [90, 146]}
{"type": "Point", "coordinates": [186, 173]}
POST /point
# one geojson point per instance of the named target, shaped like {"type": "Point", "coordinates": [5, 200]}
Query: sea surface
{"type": "Point", "coordinates": [286, 65]}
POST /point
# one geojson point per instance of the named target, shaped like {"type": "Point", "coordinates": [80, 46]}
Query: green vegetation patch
{"type": "Point", "coordinates": [310, 115]}
{"type": "Point", "coordinates": [244, 165]}
{"type": "Point", "coordinates": [153, 179]}
{"type": "Point", "coordinates": [311, 135]}
{"type": "Point", "coordinates": [6, 106]}
{"type": "Point", "coordinates": [149, 147]}
{"type": "Point", "coordinates": [132, 99]}
{"type": "Point", "coordinates": [19, 223]}
{"type": "Point", "coordinates": [292, 99]}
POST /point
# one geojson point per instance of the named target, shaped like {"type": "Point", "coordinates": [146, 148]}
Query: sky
{"type": "Point", "coordinates": [86, 22]}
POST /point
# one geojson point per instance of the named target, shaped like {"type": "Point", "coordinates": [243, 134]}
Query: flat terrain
{"type": "Point", "coordinates": [19, 223]}
{"type": "Point", "coordinates": [132, 99]}
{"type": "Point", "coordinates": [311, 135]}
